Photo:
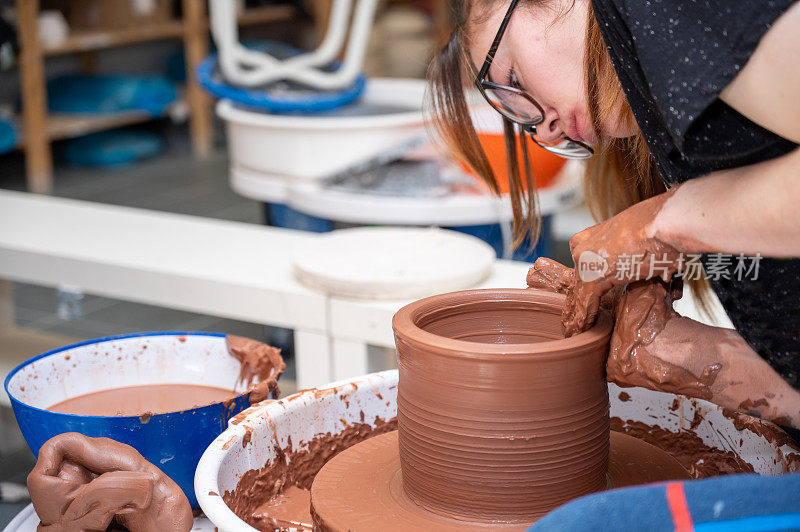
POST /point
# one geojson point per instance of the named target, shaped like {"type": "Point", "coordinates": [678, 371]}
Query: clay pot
{"type": "Point", "coordinates": [500, 417]}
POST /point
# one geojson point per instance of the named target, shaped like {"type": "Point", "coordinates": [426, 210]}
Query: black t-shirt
{"type": "Point", "coordinates": [673, 58]}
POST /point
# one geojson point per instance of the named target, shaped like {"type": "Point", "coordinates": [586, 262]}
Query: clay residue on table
{"type": "Point", "coordinates": [82, 483]}
{"type": "Point", "coordinates": [261, 366]}
{"type": "Point", "coordinates": [699, 459]}
{"type": "Point", "coordinates": [257, 490]}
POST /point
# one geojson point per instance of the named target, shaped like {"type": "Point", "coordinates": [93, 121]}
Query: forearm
{"type": "Point", "coordinates": [752, 209]}
{"type": "Point", "coordinates": [744, 382]}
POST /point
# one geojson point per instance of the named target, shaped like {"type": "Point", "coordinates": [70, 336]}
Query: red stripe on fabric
{"type": "Point", "coordinates": [678, 507]}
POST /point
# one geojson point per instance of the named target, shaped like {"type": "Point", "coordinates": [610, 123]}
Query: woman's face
{"type": "Point", "coordinates": [543, 50]}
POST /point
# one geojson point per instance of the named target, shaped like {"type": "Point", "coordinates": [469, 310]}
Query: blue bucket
{"type": "Point", "coordinates": [173, 441]}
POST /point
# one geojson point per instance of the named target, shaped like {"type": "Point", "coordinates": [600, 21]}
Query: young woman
{"type": "Point", "coordinates": [688, 113]}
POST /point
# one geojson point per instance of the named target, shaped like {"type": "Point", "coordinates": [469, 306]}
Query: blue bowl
{"type": "Point", "coordinates": [173, 441]}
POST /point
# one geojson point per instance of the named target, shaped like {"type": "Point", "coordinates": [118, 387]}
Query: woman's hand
{"type": "Point", "coordinates": [654, 347]}
{"type": "Point", "coordinates": [618, 251]}
{"type": "Point", "coordinates": [641, 311]}
{"type": "Point", "coordinates": [641, 315]}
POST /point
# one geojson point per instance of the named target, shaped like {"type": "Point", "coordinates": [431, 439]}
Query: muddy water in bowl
{"type": "Point", "coordinates": [105, 388]}
{"type": "Point", "coordinates": [139, 400]}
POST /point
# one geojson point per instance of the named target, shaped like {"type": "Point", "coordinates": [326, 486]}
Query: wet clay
{"type": "Point", "coordinates": [82, 483]}
{"type": "Point", "coordinates": [643, 315]}
{"type": "Point", "coordinates": [699, 459]}
{"type": "Point", "coordinates": [614, 242]}
{"type": "Point", "coordinates": [770, 432]}
{"type": "Point", "coordinates": [362, 488]}
{"type": "Point", "coordinates": [547, 274]}
{"type": "Point", "coordinates": [289, 509]}
{"type": "Point", "coordinates": [137, 400]}
{"type": "Point", "coordinates": [294, 467]}
{"type": "Point", "coordinates": [261, 366]}
{"type": "Point", "coordinates": [492, 399]}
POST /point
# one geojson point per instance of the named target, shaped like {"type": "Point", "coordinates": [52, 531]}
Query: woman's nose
{"type": "Point", "coordinates": [550, 128]}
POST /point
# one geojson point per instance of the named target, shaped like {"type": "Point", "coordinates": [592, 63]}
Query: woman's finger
{"type": "Point", "coordinates": [548, 274]}
{"type": "Point", "coordinates": [581, 307]}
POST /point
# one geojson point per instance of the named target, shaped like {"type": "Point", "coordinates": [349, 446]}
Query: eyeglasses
{"type": "Point", "coordinates": [518, 106]}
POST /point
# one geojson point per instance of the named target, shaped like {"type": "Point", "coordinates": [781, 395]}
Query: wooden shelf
{"type": "Point", "coordinates": [66, 125]}
{"type": "Point", "coordinates": [42, 128]}
{"type": "Point", "coordinates": [98, 40]}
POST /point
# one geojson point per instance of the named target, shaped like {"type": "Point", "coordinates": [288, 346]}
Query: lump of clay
{"type": "Point", "coordinates": [261, 366]}
{"type": "Point", "coordinates": [87, 484]}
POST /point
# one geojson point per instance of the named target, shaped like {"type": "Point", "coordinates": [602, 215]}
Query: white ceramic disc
{"type": "Point", "coordinates": [393, 262]}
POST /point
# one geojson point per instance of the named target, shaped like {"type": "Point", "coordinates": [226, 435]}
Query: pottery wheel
{"type": "Point", "coordinates": [361, 488]}
{"type": "Point", "coordinates": [392, 262]}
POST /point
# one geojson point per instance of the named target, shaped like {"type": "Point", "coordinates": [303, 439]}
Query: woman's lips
{"type": "Point", "coordinates": [572, 129]}
{"type": "Point", "coordinates": [576, 127]}
{"type": "Point", "coordinates": [582, 130]}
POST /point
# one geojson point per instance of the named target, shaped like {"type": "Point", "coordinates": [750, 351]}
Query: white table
{"type": "Point", "coordinates": [227, 269]}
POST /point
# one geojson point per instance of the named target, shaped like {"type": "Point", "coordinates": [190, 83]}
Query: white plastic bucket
{"type": "Point", "coordinates": [388, 116]}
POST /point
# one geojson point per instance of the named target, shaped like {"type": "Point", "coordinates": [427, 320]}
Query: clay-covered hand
{"type": "Point", "coordinates": [642, 314]}
{"type": "Point", "coordinates": [83, 484]}
{"type": "Point", "coordinates": [618, 251]}
{"type": "Point", "coordinates": [675, 354]}
{"type": "Point", "coordinates": [548, 274]}
{"type": "Point", "coordinates": [654, 347]}
{"type": "Point", "coordinates": [641, 311]}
